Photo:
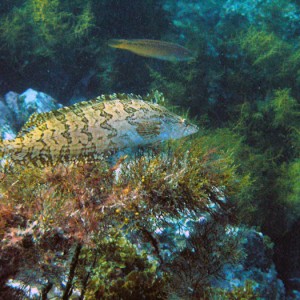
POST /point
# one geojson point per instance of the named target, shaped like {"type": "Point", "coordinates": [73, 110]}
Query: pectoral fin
{"type": "Point", "coordinates": [148, 129]}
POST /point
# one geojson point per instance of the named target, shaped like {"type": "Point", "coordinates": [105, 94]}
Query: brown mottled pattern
{"type": "Point", "coordinates": [148, 129]}
{"type": "Point", "coordinates": [88, 129]}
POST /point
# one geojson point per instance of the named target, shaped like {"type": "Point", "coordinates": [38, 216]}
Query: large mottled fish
{"type": "Point", "coordinates": [85, 130]}
{"type": "Point", "coordinates": [153, 48]}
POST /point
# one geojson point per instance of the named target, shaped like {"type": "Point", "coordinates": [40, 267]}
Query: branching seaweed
{"type": "Point", "coordinates": [112, 212]}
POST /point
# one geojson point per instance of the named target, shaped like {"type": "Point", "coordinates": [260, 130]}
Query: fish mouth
{"type": "Point", "coordinates": [190, 129]}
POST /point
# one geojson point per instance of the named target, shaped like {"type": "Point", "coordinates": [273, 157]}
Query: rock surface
{"type": "Point", "coordinates": [257, 267]}
{"type": "Point", "coordinates": [220, 15]}
{"type": "Point", "coordinates": [16, 109]}
{"type": "Point", "coordinates": [6, 120]}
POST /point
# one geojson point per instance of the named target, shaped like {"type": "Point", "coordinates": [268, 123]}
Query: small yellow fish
{"type": "Point", "coordinates": [153, 48]}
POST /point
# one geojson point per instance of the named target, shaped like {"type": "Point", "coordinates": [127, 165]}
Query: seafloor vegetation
{"type": "Point", "coordinates": [243, 88]}
{"type": "Point", "coordinates": [105, 216]}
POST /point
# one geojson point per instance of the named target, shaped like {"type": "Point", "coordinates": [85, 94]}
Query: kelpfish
{"type": "Point", "coordinates": [87, 129]}
{"type": "Point", "coordinates": [153, 48]}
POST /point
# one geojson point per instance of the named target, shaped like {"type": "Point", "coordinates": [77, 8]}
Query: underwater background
{"type": "Point", "coordinates": [215, 215]}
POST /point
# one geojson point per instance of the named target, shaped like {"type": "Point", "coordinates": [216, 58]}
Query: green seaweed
{"type": "Point", "coordinates": [84, 207]}
{"type": "Point", "coordinates": [119, 271]}
{"type": "Point", "coordinates": [193, 269]}
{"type": "Point", "coordinates": [268, 54]}
{"type": "Point", "coordinates": [270, 132]}
{"type": "Point", "coordinates": [246, 292]}
{"type": "Point", "coordinates": [244, 80]}
{"type": "Point", "coordinates": [286, 109]}
{"type": "Point", "coordinates": [42, 28]}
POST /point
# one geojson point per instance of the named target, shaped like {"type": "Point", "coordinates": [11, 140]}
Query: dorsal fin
{"type": "Point", "coordinates": [37, 119]}
{"type": "Point", "coordinates": [34, 120]}
{"type": "Point", "coordinates": [120, 96]}
{"type": "Point", "coordinates": [155, 97]}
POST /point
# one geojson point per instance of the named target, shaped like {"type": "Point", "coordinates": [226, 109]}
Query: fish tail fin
{"type": "Point", "coordinates": [115, 43]}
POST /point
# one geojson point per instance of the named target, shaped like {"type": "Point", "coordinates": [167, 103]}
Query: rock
{"type": "Point", "coordinates": [287, 258]}
{"type": "Point", "coordinates": [257, 267]}
{"type": "Point", "coordinates": [255, 264]}
{"type": "Point", "coordinates": [7, 133]}
{"type": "Point", "coordinates": [32, 101]}
{"type": "Point", "coordinates": [6, 115]}
{"type": "Point", "coordinates": [294, 295]}
{"type": "Point", "coordinates": [16, 109]}
{"type": "Point", "coordinates": [11, 100]}
{"type": "Point", "coordinates": [259, 252]}
{"type": "Point", "coordinates": [6, 119]}
{"type": "Point", "coordinates": [266, 284]}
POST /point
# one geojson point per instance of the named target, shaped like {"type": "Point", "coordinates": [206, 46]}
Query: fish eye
{"type": "Point", "coordinates": [184, 122]}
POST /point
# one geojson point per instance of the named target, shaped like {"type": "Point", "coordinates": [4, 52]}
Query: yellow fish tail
{"type": "Point", "coordinates": [117, 43]}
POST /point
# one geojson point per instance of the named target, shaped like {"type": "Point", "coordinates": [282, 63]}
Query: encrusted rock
{"type": "Point", "coordinates": [12, 101]}
{"type": "Point", "coordinates": [16, 109]}
{"type": "Point", "coordinates": [6, 119]}
{"type": "Point", "coordinates": [32, 101]}
{"type": "Point", "coordinates": [257, 267]}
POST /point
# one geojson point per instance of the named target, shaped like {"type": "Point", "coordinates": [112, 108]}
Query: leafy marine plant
{"type": "Point", "coordinates": [274, 62]}
{"type": "Point", "coordinates": [63, 44]}
{"type": "Point", "coordinates": [187, 85]}
{"type": "Point", "coordinates": [40, 28]}
{"type": "Point", "coordinates": [104, 217]}
{"type": "Point", "coordinates": [289, 189]}
{"type": "Point", "coordinates": [270, 132]}
{"type": "Point", "coordinates": [119, 270]}
{"type": "Point", "coordinates": [47, 39]}
{"type": "Point", "coordinates": [246, 292]}
{"type": "Point", "coordinates": [285, 109]}
{"type": "Point", "coordinates": [263, 47]}
{"type": "Point", "coordinates": [210, 246]}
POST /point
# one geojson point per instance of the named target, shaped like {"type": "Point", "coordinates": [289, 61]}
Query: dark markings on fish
{"type": "Point", "coordinates": [148, 129]}
{"type": "Point", "coordinates": [85, 130]}
{"type": "Point", "coordinates": [61, 117]}
{"type": "Point", "coordinates": [92, 129]}
{"type": "Point", "coordinates": [129, 109]}
{"type": "Point", "coordinates": [41, 140]}
{"type": "Point", "coordinates": [104, 124]}
{"type": "Point", "coordinates": [99, 107]}
{"type": "Point", "coordinates": [79, 112]}
{"type": "Point", "coordinates": [66, 134]}
{"type": "Point", "coordinates": [64, 153]}
{"type": "Point", "coordinates": [156, 108]}
{"type": "Point", "coordinates": [53, 136]}
{"type": "Point", "coordinates": [131, 120]}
